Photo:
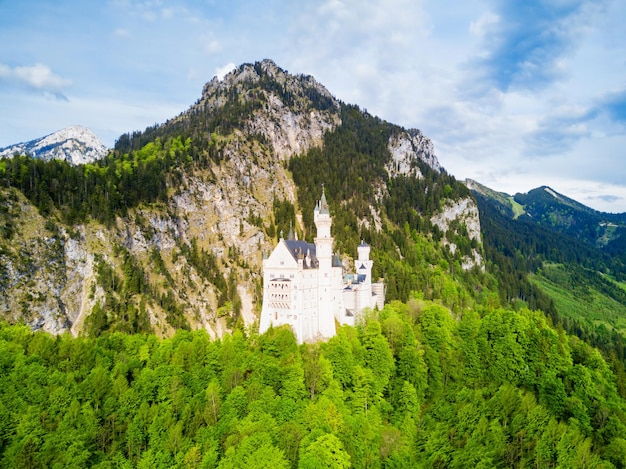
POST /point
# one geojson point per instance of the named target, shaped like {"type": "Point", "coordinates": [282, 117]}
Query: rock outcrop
{"type": "Point", "coordinates": [461, 216]}
{"type": "Point", "coordinates": [407, 149]}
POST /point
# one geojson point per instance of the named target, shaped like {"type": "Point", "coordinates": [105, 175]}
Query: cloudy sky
{"type": "Point", "coordinates": [515, 94]}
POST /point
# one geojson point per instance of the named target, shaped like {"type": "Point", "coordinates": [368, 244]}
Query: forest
{"type": "Point", "coordinates": [409, 386]}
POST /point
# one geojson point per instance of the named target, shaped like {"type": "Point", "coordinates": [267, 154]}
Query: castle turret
{"type": "Point", "coordinates": [324, 250]}
{"type": "Point", "coordinates": [363, 265]}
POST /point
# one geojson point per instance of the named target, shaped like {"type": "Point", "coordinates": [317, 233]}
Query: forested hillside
{"type": "Point", "coordinates": [594, 239]}
{"type": "Point", "coordinates": [565, 215]}
{"type": "Point", "coordinates": [571, 280]}
{"type": "Point", "coordinates": [412, 386]}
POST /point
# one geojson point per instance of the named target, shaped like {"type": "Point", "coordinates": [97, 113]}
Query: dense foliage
{"type": "Point", "coordinates": [103, 189]}
{"type": "Point", "coordinates": [412, 386]}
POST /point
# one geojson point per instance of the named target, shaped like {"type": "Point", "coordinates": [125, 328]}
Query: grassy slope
{"type": "Point", "coordinates": [518, 209]}
{"type": "Point", "coordinates": [584, 303]}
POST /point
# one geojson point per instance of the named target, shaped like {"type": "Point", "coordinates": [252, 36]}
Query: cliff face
{"type": "Point", "coordinates": [407, 148]}
{"type": "Point", "coordinates": [195, 260]}
{"type": "Point", "coordinates": [462, 218]}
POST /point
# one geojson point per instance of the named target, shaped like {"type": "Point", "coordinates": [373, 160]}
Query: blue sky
{"type": "Point", "coordinates": [515, 94]}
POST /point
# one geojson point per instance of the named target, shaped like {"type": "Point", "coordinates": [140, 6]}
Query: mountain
{"type": "Point", "coordinates": [169, 230]}
{"type": "Point", "coordinates": [559, 213]}
{"type": "Point", "coordinates": [74, 144]}
{"type": "Point", "coordinates": [565, 215]}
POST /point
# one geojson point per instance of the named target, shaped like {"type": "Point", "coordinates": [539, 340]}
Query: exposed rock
{"type": "Point", "coordinates": [463, 212]}
{"type": "Point", "coordinates": [407, 148]}
{"type": "Point", "coordinates": [289, 128]}
{"type": "Point", "coordinates": [291, 134]}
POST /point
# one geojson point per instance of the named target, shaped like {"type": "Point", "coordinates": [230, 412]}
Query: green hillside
{"type": "Point", "coordinates": [580, 294]}
{"type": "Point", "coordinates": [564, 276]}
{"type": "Point", "coordinates": [564, 215]}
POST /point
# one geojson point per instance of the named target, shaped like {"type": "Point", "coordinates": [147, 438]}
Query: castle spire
{"type": "Point", "coordinates": [323, 203]}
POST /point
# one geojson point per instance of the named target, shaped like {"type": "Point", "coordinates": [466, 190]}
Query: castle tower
{"type": "Point", "coordinates": [363, 267]}
{"type": "Point", "coordinates": [324, 249]}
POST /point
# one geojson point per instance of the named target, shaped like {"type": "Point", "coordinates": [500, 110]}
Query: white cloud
{"type": "Point", "coordinates": [121, 32]}
{"type": "Point", "coordinates": [481, 25]}
{"type": "Point", "coordinates": [220, 72]}
{"type": "Point", "coordinates": [38, 77]}
{"type": "Point", "coordinates": [168, 13]}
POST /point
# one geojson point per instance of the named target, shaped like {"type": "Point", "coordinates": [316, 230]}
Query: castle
{"type": "Point", "coordinates": [304, 285]}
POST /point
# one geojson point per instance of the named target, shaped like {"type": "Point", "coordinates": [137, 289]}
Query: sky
{"type": "Point", "coordinates": [515, 94]}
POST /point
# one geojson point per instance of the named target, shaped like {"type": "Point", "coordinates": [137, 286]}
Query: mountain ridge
{"type": "Point", "coordinates": [558, 212]}
{"type": "Point", "coordinates": [75, 144]}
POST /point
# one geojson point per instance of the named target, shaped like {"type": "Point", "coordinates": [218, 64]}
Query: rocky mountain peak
{"type": "Point", "coordinates": [266, 74]}
{"type": "Point", "coordinates": [75, 144]}
{"type": "Point", "coordinates": [291, 112]}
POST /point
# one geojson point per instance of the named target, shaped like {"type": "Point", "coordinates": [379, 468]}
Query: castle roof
{"type": "Point", "coordinates": [299, 249]}
{"type": "Point", "coordinates": [322, 204]}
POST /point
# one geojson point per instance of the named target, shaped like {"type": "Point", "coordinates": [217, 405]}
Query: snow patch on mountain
{"type": "Point", "coordinates": [552, 193]}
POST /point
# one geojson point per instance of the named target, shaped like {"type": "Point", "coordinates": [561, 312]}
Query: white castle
{"type": "Point", "coordinates": [304, 285]}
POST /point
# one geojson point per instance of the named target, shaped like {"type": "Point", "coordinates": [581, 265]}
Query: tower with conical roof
{"type": "Point", "coordinates": [363, 268]}
{"type": "Point", "coordinates": [324, 250]}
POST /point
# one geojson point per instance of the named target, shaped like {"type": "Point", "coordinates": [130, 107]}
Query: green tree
{"type": "Point", "coordinates": [325, 452]}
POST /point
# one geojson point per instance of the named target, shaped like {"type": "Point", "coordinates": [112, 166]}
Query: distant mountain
{"type": "Point", "coordinates": [558, 213]}
{"type": "Point", "coordinates": [558, 255]}
{"type": "Point", "coordinates": [74, 144]}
